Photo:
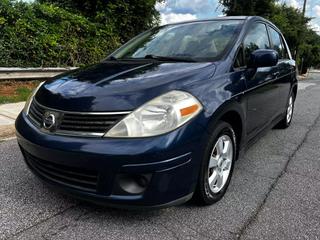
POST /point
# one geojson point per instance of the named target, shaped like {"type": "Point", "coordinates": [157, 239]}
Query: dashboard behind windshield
{"type": "Point", "coordinates": [200, 41]}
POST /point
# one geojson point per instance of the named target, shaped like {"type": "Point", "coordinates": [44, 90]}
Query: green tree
{"type": "Point", "coordinates": [262, 8]}
{"type": "Point", "coordinates": [67, 32]}
{"type": "Point", "coordinates": [310, 50]}
{"type": "Point", "coordinates": [292, 23]}
{"type": "Point", "coordinates": [128, 17]}
{"type": "Point", "coordinates": [35, 34]}
{"type": "Point", "coordinates": [303, 41]}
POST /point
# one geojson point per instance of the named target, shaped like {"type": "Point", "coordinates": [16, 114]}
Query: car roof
{"type": "Point", "coordinates": [245, 18]}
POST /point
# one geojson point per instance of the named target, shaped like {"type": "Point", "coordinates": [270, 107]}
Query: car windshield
{"type": "Point", "coordinates": [199, 41]}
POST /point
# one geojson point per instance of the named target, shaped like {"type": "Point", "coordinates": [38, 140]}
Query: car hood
{"type": "Point", "coordinates": [120, 86]}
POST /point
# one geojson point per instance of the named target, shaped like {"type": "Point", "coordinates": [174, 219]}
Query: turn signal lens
{"type": "Point", "coordinates": [189, 110]}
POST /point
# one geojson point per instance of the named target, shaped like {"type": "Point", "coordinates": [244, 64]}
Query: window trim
{"type": "Point", "coordinates": [241, 45]}
{"type": "Point", "coordinates": [284, 44]}
{"type": "Point", "coordinates": [243, 39]}
{"type": "Point", "coordinates": [240, 48]}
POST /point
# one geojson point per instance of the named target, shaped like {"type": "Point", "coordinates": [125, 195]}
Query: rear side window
{"type": "Point", "coordinates": [257, 38]}
{"type": "Point", "coordinates": [278, 44]}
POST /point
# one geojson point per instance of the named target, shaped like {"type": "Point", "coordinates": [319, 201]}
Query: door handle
{"type": "Point", "coordinates": [275, 74]}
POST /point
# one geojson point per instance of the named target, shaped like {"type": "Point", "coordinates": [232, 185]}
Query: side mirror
{"type": "Point", "coordinates": [263, 58]}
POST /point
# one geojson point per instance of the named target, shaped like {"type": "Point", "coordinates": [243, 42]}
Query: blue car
{"type": "Point", "coordinates": [164, 118]}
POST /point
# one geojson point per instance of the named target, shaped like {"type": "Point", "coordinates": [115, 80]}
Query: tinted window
{"type": "Point", "coordinates": [278, 44]}
{"type": "Point", "coordinates": [257, 38]}
{"type": "Point", "coordinates": [198, 40]}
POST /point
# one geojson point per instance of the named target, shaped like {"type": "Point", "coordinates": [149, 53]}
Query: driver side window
{"type": "Point", "coordinates": [257, 38]}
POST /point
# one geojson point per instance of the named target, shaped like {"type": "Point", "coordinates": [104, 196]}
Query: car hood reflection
{"type": "Point", "coordinates": [114, 86]}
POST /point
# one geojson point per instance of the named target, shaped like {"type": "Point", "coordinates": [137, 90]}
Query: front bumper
{"type": "Point", "coordinates": [172, 160]}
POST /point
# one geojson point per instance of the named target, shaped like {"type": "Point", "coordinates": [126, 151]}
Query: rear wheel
{"type": "Point", "coordinates": [217, 165]}
{"type": "Point", "coordinates": [286, 121]}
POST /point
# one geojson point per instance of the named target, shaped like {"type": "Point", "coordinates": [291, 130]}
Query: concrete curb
{"type": "Point", "coordinates": [11, 110]}
{"type": "Point", "coordinates": [8, 114]}
{"type": "Point", "coordinates": [7, 132]}
{"type": "Point", "coordinates": [7, 139]}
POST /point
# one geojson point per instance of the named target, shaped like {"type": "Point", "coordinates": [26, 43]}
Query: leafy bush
{"type": "Point", "coordinates": [130, 17]}
{"type": "Point", "coordinates": [33, 35]}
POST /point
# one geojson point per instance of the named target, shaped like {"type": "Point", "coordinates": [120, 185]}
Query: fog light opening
{"type": "Point", "coordinates": [134, 183]}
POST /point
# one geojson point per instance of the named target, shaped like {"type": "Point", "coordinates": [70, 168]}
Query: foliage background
{"type": "Point", "coordinates": [49, 33]}
{"type": "Point", "coordinates": [68, 33]}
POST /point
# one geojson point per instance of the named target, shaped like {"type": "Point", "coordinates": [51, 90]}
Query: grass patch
{"type": "Point", "coordinates": [14, 91]}
{"type": "Point", "coordinates": [21, 95]}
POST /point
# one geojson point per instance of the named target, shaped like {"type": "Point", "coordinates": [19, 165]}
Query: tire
{"type": "Point", "coordinates": [211, 187]}
{"type": "Point", "coordinates": [286, 121]}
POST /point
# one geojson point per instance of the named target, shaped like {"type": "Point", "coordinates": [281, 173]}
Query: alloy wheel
{"type": "Point", "coordinates": [290, 109]}
{"type": "Point", "coordinates": [220, 163]}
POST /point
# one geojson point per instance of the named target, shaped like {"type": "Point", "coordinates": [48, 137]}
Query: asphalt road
{"type": "Point", "coordinates": [274, 194]}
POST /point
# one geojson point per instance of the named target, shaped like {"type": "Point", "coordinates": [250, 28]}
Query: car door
{"type": "Point", "coordinates": [284, 68]}
{"type": "Point", "coordinates": [262, 91]}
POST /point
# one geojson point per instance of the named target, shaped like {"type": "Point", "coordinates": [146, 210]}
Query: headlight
{"type": "Point", "coordinates": [160, 115]}
{"type": "Point", "coordinates": [29, 100]}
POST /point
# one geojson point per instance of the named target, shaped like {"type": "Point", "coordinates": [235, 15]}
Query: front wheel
{"type": "Point", "coordinates": [217, 165]}
{"type": "Point", "coordinates": [286, 121]}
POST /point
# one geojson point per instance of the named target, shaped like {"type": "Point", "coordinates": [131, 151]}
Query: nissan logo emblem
{"type": "Point", "coordinates": [49, 121]}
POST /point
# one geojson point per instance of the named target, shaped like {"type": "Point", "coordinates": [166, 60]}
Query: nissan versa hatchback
{"type": "Point", "coordinates": [163, 118]}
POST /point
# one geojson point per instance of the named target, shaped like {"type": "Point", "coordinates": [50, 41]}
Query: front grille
{"type": "Point", "coordinates": [36, 113]}
{"type": "Point", "coordinates": [88, 123]}
{"type": "Point", "coordinates": [76, 124]}
{"type": "Point", "coordinates": [72, 177]}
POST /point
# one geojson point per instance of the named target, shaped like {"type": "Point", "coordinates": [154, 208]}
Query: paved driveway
{"type": "Point", "coordinates": [274, 194]}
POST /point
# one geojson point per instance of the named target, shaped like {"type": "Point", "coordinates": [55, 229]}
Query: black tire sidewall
{"type": "Point", "coordinates": [206, 195]}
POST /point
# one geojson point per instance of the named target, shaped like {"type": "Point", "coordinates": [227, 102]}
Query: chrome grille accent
{"type": "Point", "coordinates": [85, 124]}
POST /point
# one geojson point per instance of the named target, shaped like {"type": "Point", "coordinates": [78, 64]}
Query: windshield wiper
{"type": "Point", "coordinates": [155, 57]}
{"type": "Point", "coordinates": [169, 58]}
{"type": "Point", "coordinates": [112, 58]}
